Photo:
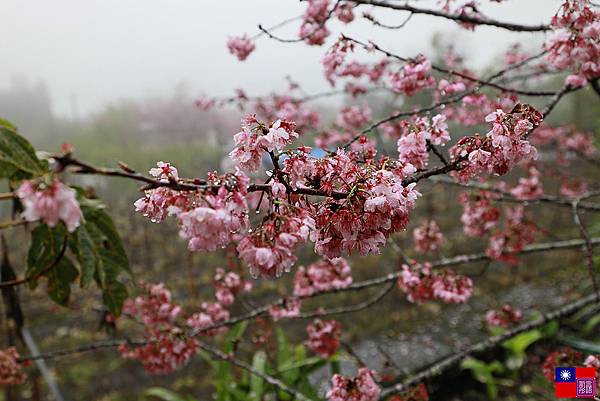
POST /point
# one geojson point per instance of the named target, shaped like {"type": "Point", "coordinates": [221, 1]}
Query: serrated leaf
{"type": "Point", "coordinates": [112, 259]}
{"type": "Point", "coordinates": [82, 245]}
{"type": "Point", "coordinates": [46, 245]}
{"type": "Point", "coordinates": [17, 152]}
{"type": "Point", "coordinates": [60, 278]}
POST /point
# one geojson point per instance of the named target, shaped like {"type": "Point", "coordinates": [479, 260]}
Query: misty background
{"type": "Point", "coordinates": [118, 79]}
{"type": "Point", "coordinates": [88, 54]}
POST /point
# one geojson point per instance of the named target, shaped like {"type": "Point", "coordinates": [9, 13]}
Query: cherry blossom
{"type": "Point", "coordinates": [479, 213]}
{"type": "Point", "coordinates": [413, 77]}
{"type": "Point", "coordinates": [313, 28]}
{"type": "Point", "coordinates": [289, 309]}
{"type": "Point", "coordinates": [413, 393]}
{"type": "Point", "coordinates": [256, 139]}
{"type": "Point", "coordinates": [427, 237]}
{"type": "Point", "coordinates": [210, 314]}
{"type": "Point", "coordinates": [575, 45]}
{"type": "Point", "coordinates": [363, 222]}
{"type": "Point", "coordinates": [167, 347]}
{"type": "Point", "coordinates": [565, 356]}
{"type": "Point", "coordinates": [11, 373]}
{"type": "Point", "coordinates": [529, 187]}
{"type": "Point", "coordinates": [324, 275]}
{"type": "Point", "coordinates": [323, 337]}
{"type": "Point", "coordinates": [269, 250]}
{"type": "Point", "coordinates": [421, 283]}
{"type": "Point", "coordinates": [165, 172]}
{"type": "Point", "coordinates": [212, 220]}
{"type": "Point", "coordinates": [518, 232]}
{"type": "Point", "coordinates": [241, 46]}
{"type": "Point", "coordinates": [360, 388]}
{"type": "Point", "coordinates": [344, 13]}
{"type": "Point", "coordinates": [228, 285]}
{"type": "Point", "coordinates": [354, 117]}
{"type": "Point", "coordinates": [503, 317]}
{"type": "Point", "coordinates": [505, 143]}
{"type": "Point", "coordinates": [50, 202]}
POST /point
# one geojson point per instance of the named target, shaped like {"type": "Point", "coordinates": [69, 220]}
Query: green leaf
{"type": "Point", "coordinates": [517, 347]}
{"type": "Point", "coordinates": [17, 154]}
{"type": "Point", "coordinates": [283, 349]}
{"type": "Point", "coordinates": [46, 245]}
{"type": "Point", "coordinates": [112, 259]}
{"type": "Point", "coordinates": [83, 247]}
{"type": "Point", "coordinates": [101, 256]}
{"type": "Point", "coordinates": [484, 373]}
{"type": "Point", "coordinates": [60, 278]}
{"type": "Point", "coordinates": [582, 345]}
{"type": "Point", "coordinates": [166, 395]}
{"type": "Point", "coordinates": [591, 324]}
{"type": "Point", "coordinates": [259, 363]}
{"type": "Point", "coordinates": [113, 295]}
{"type": "Point", "coordinates": [519, 343]}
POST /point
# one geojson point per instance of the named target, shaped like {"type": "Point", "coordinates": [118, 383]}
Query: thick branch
{"type": "Point", "coordinates": [458, 17]}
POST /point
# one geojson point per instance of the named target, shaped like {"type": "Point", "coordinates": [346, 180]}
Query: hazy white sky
{"type": "Point", "coordinates": [98, 51]}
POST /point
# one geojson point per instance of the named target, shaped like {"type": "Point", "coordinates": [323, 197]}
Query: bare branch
{"type": "Point", "coordinates": [457, 17]}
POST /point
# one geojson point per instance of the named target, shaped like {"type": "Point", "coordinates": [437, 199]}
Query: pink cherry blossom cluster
{"type": "Point", "coordinates": [503, 317]}
{"type": "Point", "coordinates": [379, 206]}
{"type": "Point", "coordinates": [413, 393]}
{"type": "Point", "coordinates": [566, 140]}
{"type": "Point", "coordinates": [336, 66]}
{"type": "Point", "coordinates": [269, 250]}
{"type": "Point", "coordinates": [344, 12]}
{"type": "Point", "coordinates": [504, 146]}
{"type": "Point", "coordinates": [210, 314]}
{"type": "Point", "coordinates": [515, 55]}
{"type": "Point", "coordinates": [363, 387]}
{"type": "Point", "coordinates": [323, 337]}
{"type": "Point", "coordinates": [241, 46]}
{"type": "Point", "coordinates": [427, 237]}
{"type": "Point", "coordinates": [413, 77]}
{"type": "Point", "coordinates": [565, 356]}
{"type": "Point", "coordinates": [413, 145]}
{"type": "Point", "coordinates": [212, 221]}
{"type": "Point", "coordinates": [519, 230]}
{"type": "Point", "coordinates": [573, 188]}
{"type": "Point", "coordinates": [448, 88]}
{"type": "Point", "coordinates": [167, 347]}
{"type": "Point", "coordinates": [50, 202]}
{"type": "Point", "coordinates": [256, 139]}
{"type": "Point", "coordinates": [324, 275]}
{"type": "Point", "coordinates": [11, 373]}
{"type": "Point", "coordinates": [228, 285]}
{"type": "Point", "coordinates": [529, 187]}
{"type": "Point", "coordinates": [290, 308]}
{"type": "Point", "coordinates": [576, 45]}
{"type": "Point", "coordinates": [209, 219]}
{"type": "Point", "coordinates": [479, 213]}
{"type": "Point", "coordinates": [313, 28]}
{"type": "Point", "coordinates": [354, 117]}
{"type": "Point", "coordinates": [421, 283]}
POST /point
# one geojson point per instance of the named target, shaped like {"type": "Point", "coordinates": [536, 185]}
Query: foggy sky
{"type": "Point", "coordinates": [92, 52]}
